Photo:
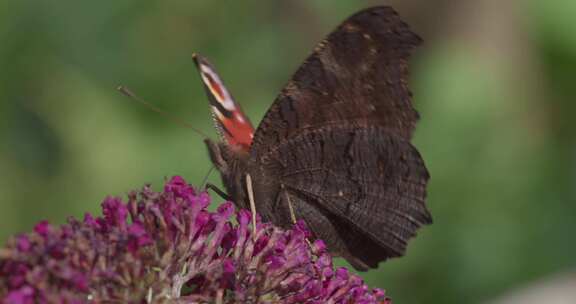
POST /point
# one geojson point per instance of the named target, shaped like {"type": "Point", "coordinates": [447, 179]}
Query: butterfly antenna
{"type": "Point", "coordinates": [127, 92]}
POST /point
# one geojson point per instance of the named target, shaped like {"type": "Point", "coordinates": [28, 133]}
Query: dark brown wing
{"type": "Point", "coordinates": [362, 190]}
{"type": "Point", "coordinates": [357, 75]}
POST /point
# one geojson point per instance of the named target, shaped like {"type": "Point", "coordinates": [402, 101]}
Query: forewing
{"type": "Point", "coordinates": [358, 75]}
{"type": "Point", "coordinates": [368, 183]}
{"type": "Point", "coordinates": [231, 123]}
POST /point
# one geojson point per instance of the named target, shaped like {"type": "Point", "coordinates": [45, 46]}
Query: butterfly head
{"type": "Point", "coordinates": [232, 125]}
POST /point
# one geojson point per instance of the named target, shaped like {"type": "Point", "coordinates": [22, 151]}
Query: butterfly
{"type": "Point", "coordinates": [334, 148]}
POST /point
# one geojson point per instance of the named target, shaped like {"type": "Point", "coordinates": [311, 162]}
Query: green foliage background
{"type": "Point", "coordinates": [494, 84]}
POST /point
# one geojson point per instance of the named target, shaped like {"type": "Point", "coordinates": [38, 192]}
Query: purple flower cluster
{"type": "Point", "coordinates": [167, 248]}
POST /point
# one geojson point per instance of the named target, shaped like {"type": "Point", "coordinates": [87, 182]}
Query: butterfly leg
{"type": "Point", "coordinates": [292, 214]}
{"type": "Point", "coordinates": [252, 203]}
{"type": "Point", "coordinates": [217, 190]}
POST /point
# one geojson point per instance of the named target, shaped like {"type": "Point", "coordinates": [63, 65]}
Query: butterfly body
{"type": "Point", "coordinates": [334, 148]}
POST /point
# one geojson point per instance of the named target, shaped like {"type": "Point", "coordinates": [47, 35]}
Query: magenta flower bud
{"type": "Point", "coordinates": [23, 243]}
{"type": "Point", "coordinates": [42, 228]}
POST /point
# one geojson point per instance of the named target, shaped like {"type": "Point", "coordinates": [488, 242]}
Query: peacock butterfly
{"type": "Point", "coordinates": [334, 148]}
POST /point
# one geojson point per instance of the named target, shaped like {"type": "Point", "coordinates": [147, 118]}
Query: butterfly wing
{"type": "Point", "coordinates": [231, 123]}
{"type": "Point", "coordinates": [357, 188]}
{"type": "Point", "coordinates": [335, 143]}
{"type": "Point", "coordinates": [358, 75]}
